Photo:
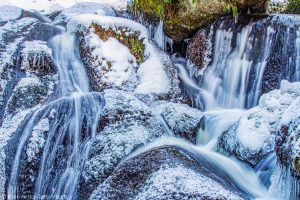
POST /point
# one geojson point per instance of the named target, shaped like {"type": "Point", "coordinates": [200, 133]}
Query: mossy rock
{"type": "Point", "coordinates": [127, 38]}
{"type": "Point", "coordinates": [183, 18]}
{"type": "Point", "coordinates": [293, 7]}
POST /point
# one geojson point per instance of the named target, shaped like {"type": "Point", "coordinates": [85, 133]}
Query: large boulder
{"type": "Point", "coordinates": [182, 120]}
{"type": "Point", "coordinates": [252, 138]}
{"type": "Point", "coordinates": [183, 18]}
{"type": "Point", "coordinates": [138, 67]}
{"type": "Point", "coordinates": [126, 124]}
{"type": "Point", "coordinates": [166, 172]}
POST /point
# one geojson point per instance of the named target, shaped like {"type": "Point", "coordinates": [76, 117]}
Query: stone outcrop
{"type": "Point", "coordinates": [183, 18]}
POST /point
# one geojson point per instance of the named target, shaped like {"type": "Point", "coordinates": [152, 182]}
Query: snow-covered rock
{"type": "Point", "coordinates": [48, 7]}
{"type": "Point", "coordinates": [85, 8]}
{"type": "Point", "coordinates": [126, 125]}
{"type": "Point", "coordinates": [288, 138]}
{"type": "Point", "coordinates": [151, 73]}
{"type": "Point", "coordinates": [181, 119]}
{"type": "Point", "coordinates": [9, 13]}
{"type": "Point", "coordinates": [36, 57]}
{"type": "Point", "coordinates": [29, 92]}
{"type": "Point", "coordinates": [37, 140]}
{"type": "Point", "coordinates": [252, 138]}
{"type": "Point", "coordinates": [163, 173]}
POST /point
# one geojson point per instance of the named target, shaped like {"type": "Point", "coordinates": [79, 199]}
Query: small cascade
{"type": "Point", "coordinates": [72, 118]}
{"type": "Point", "coordinates": [246, 61]}
{"type": "Point", "coordinates": [228, 75]}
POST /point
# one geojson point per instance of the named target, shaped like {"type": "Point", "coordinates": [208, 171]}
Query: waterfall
{"type": "Point", "coordinates": [247, 60]}
{"type": "Point", "coordinates": [73, 121]}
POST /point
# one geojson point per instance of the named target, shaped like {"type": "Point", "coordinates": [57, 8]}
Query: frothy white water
{"type": "Point", "coordinates": [216, 123]}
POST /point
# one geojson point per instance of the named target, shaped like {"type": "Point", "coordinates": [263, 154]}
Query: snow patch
{"type": "Point", "coordinates": [9, 13]}
{"type": "Point", "coordinates": [37, 140]}
{"type": "Point", "coordinates": [117, 68]}
{"type": "Point", "coordinates": [182, 181]}
{"type": "Point", "coordinates": [47, 6]}
{"type": "Point", "coordinates": [85, 8]}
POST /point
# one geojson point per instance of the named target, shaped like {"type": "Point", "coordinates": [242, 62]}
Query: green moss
{"type": "Point", "coordinates": [297, 164]}
{"type": "Point", "coordinates": [135, 46]}
{"type": "Point", "coordinates": [293, 7]}
{"type": "Point", "coordinates": [151, 7]}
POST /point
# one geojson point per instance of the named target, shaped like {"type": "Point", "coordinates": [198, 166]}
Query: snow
{"type": "Point", "coordinates": [47, 6]}
{"type": "Point", "coordinates": [28, 81]}
{"type": "Point", "coordinates": [117, 68]}
{"type": "Point", "coordinates": [9, 13]}
{"type": "Point", "coordinates": [152, 75]}
{"type": "Point", "coordinates": [85, 8]}
{"type": "Point", "coordinates": [182, 181]}
{"type": "Point", "coordinates": [37, 140]}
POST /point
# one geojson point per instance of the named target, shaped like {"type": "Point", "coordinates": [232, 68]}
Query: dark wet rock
{"type": "Point", "coordinates": [183, 18]}
{"type": "Point", "coordinates": [43, 32]}
{"type": "Point", "coordinates": [166, 172]}
{"type": "Point", "coordinates": [126, 125]}
{"type": "Point", "coordinates": [198, 50]}
{"type": "Point", "coordinates": [183, 120]}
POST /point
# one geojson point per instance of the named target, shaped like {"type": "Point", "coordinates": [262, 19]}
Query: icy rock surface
{"type": "Point", "coordinates": [162, 173]}
{"type": "Point", "coordinates": [126, 125]}
{"type": "Point", "coordinates": [23, 89]}
{"type": "Point", "coordinates": [36, 56]}
{"type": "Point", "coordinates": [37, 140]}
{"type": "Point", "coordinates": [252, 138]}
{"type": "Point", "coordinates": [182, 119]}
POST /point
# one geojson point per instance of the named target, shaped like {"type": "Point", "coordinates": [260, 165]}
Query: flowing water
{"type": "Point", "coordinates": [233, 82]}
{"type": "Point", "coordinates": [74, 116]}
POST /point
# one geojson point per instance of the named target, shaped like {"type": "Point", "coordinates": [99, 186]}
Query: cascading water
{"type": "Point", "coordinates": [73, 121]}
{"type": "Point", "coordinates": [234, 80]}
